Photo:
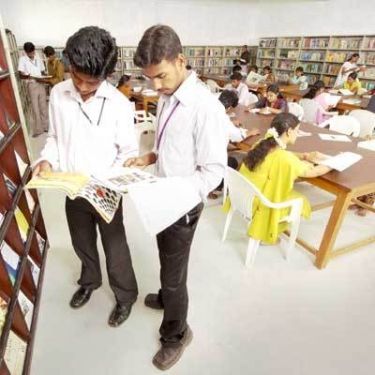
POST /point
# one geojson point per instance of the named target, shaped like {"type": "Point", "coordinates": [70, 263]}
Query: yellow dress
{"type": "Point", "coordinates": [274, 177]}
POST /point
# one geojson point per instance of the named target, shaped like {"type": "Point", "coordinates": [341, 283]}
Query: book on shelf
{"type": "Point", "coordinates": [312, 55]}
{"type": "Point", "coordinates": [27, 308]}
{"type": "Point", "coordinates": [346, 43]}
{"type": "Point", "coordinates": [11, 186]}
{"type": "Point", "coordinates": [41, 241]}
{"type": "Point", "coordinates": [23, 225]}
{"type": "Point", "coordinates": [315, 42]}
{"type": "Point", "coordinates": [15, 353]}
{"type": "Point", "coordinates": [102, 192]}
{"type": "Point", "coordinates": [35, 270]}
{"type": "Point", "coordinates": [11, 259]}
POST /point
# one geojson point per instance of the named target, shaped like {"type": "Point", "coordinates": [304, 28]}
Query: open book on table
{"type": "Point", "coordinates": [103, 192]}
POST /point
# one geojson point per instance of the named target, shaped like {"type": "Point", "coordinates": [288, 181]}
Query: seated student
{"type": "Point", "coordinates": [352, 83]}
{"type": "Point", "coordinates": [229, 100]}
{"type": "Point", "coordinates": [273, 170]}
{"type": "Point", "coordinates": [55, 67]}
{"type": "Point", "coordinates": [269, 77]}
{"type": "Point", "coordinates": [318, 94]}
{"type": "Point", "coordinates": [124, 86]}
{"type": "Point", "coordinates": [273, 101]}
{"type": "Point", "coordinates": [299, 79]}
{"type": "Point", "coordinates": [240, 88]}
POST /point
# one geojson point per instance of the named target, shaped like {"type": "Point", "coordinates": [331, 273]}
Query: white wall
{"type": "Point", "coordinates": [196, 21]}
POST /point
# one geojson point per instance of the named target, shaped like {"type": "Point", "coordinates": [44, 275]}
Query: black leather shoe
{"type": "Point", "coordinates": [168, 355]}
{"type": "Point", "coordinates": [153, 301]}
{"type": "Point", "coordinates": [80, 297]}
{"type": "Point", "coordinates": [119, 314]}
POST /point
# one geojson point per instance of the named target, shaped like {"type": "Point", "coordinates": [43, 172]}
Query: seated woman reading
{"type": "Point", "coordinates": [273, 101]}
{"type": "Point", "coordinates": [273, 170]}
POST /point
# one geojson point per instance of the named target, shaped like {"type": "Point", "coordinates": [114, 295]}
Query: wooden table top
{"type": "Point", "coordinates": [358, 175]}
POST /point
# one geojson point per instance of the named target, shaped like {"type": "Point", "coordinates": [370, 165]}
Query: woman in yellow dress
{"type": "Point", "coordinates": [273, 170]}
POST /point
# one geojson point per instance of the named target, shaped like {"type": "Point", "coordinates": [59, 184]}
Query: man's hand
{"type": "Point", "coordinates": [42, 167]}
{"type": "Point", "coordinates": [142, 161]}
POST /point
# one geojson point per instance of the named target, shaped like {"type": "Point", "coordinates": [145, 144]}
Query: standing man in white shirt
{"type": "Point", "coordinates": [190, 142]}
{"type": "Point", "coordinates": [92, 130]}
{"type": "Point", "coordinates": [30, 67]}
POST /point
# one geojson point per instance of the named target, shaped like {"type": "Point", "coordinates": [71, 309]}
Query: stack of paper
{"type": "Point", "coordinates": [334, 137]}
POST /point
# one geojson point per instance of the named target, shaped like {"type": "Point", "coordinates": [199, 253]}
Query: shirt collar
{"type": "Point", "coordinates": [185, 93]}
{"type": "Point", "coordinates": [103, 91]}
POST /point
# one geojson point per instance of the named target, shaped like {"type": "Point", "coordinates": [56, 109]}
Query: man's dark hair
{"type": "Point", "coordinates": [236, 76]}
{"type": "Point", "coordinates": [229, 98]}
{"type": "Point", "coordinates": [92, 51]}
{"type": "Point", "coordinates": [28, 47]}
{"type": "Point", "coordinates": [236, 68]}
{"type": "Point", "coordinates": [49, 51]}
{"type": "Point", "coordinates": [159, 42]}
{"type": "Point", "coordinates": [188, 67]}
{"type": "Point", "coordinates": [299, 69]}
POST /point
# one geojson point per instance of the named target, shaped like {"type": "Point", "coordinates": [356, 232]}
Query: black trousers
{"type": "Point", "coordinates": [174, 248]}
{"type": "Point", "coordinates": [83, 221]}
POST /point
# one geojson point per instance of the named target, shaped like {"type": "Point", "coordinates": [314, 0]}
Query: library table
{"type": "Point", "coordinates": [347, 186]}
{"type": "Point", "coordinates": [145, 100]}
{"type": "Point", "coordinates": [221, 80]}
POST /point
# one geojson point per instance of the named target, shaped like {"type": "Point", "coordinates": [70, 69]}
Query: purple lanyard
{"type": "Point", "coordinates": [160, 135]}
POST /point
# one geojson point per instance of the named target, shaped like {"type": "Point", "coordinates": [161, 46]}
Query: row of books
{"type": "Point", "coordinates": [315, 42]}
{"type": "Point", "coordinates": [195, 52]}
{"type": "Point", "coordinates": [312, 68]}
{"type": "Point", "coordinates": [289, 43]}
{"type": "Point", "coordinates": [288, 54]}
{"type": "Point", "coordinates": [347, 43]}
{"type": "Point", "coordinates": [312, 55]}
{"type": "Point", "coordinates": [368, 58]}
{"type": "Point", "coordinates": [214, 52]}
{"type": "Point", "coordinates": [266, 53]}
{"type": "Point", "coordinates": [286, 64]}
{"type": "Point", "coordinates": [369, 43]}
{"type": "Point", "coordinates": [127, 52]}
{"type": "Point", "coordinates": [332, 69]}
{"type": "Point", "coordinates": [213, 62]}
{"type": "Point", "coordinates": [339, 57]}
{"type": "Point", "coordinates": [268, 43]}
{"type": "Point", "coordinates": [232, 52]}
{"type": "Point", "coordinates": [368, 73]}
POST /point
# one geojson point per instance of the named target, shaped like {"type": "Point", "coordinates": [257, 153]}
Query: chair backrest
{"type": "Point", "coordinates": [242, 193]}
{"type": "Point", "coordinates": [310, 110]}
{"type": "Point", "coordinates": [142, 116]}
{"type": "Point", "coordinates": [251, 98]}
{"type": "Point", "coordinates": [343, 124]}
{"type": "Point", "coordinates": [296, 109]}
{"type": "Point", "coordinates": [366, 120]}
{"type": "Point", "coordinates": [142, 127]}
{"type": "Point", "coordinates": [213, 86]}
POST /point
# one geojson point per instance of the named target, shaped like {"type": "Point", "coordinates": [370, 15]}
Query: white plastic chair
{"type": "Point", "coordinates": [242, 193]}
{"type": "Point", "coordinates": [213, 86]}
{"type": "Point", "coordinates": [347, 125]}
{"type": "Point", "coordinates": [143, 127]}
{"type": "Point", "coordinates": [366, 120]}
{"type": "Point", "coordinates": [311, 109]}
{"type": "Point", "coordinates": [296, 110]}
{"type": "Point", "coordinates": [142, 116]}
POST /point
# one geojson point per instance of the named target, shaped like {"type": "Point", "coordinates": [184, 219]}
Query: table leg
{"type": "Point", "coordinates": [330, 234]}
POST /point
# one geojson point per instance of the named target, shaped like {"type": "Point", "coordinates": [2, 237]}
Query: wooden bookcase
{"type": "Point", "coordinates": [23, 238]}
{"type": "Point", "coordinates": [320, 56]}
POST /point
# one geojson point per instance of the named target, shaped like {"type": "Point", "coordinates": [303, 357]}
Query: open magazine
{"type": "Point", "coordinates": [103, 192]}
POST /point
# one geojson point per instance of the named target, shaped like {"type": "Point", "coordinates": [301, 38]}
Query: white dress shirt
{"type": "Point", "coordinates": [76, 145]}
{"type": "Point", "coordinates": [195, 140]}
{"type": "Point", "coordinates": [234, 133]}
{"type": "Point", "coordinates": [31, 67]}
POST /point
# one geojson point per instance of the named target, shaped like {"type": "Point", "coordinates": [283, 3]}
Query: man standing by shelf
{"type": "Point", "coordinates": [30, 67]}
{"type": "Point", "coordinates": [92, 130]}
{"type": "Point", "coordinates": [55, 67]}
{"type": "Point", "coordinates": [191, 143]}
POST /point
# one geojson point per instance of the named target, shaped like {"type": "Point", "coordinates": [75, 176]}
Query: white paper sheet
{"type": "Point", "coordinates": [334, 137]}
{"type": "Point", "coordinates": [368, 145]}
{"type": "Point", "coordinates": [342, 161]}
{"type": "Point", "coordinates": [162, 203]}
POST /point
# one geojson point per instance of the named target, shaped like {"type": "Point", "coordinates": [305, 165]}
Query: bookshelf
{"type": "Point", "coordinates": [23, 238]}
{"type": "Point", "coordinates": [320, 56]}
